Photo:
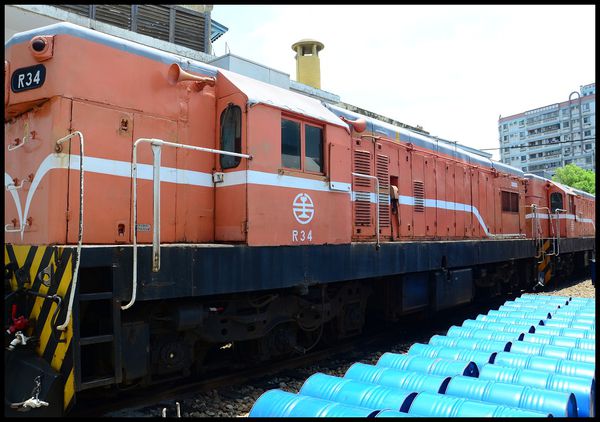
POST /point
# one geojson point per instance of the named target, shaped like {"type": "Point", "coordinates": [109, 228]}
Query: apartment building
{"type": "Point", "coordinates": [541, 140]}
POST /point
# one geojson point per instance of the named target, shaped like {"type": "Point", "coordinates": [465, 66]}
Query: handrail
{"type": "Point", "coordinates": [558, 211]}
{"type": "Point", "coordinates": [366, 176]}
{"type": "Point", "coordinates": [156, 148]}
{"type": "Point", "coordinates": [64, 325]}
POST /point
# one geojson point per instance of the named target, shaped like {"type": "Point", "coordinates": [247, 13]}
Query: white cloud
{"type": "Point", "coordinates": [451, 69]}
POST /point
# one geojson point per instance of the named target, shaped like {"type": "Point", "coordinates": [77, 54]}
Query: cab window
{"type": "Point", "coordinates": [301, 146]}
{"type": "Point", "coordinates": [231, 135]}
{"type": "Point", "coordinates": [556, 201]}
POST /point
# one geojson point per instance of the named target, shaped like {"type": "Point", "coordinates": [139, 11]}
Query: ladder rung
{"type": "Point", "coordinates": [84, 341]}
{"type": "Point", "coordinates": [95, 296]}
{"type": "Point", "coordinates": [97, 382]}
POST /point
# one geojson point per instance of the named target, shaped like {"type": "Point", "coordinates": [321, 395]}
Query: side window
{"type": "Point", "coordinates": [290, 144]}
{"type": "Point", "coordinates": [231, 135]}
{"type": "Point", "coordinates": [301, 146]}
{"type": "Point", "coordinates": [556, 201]}
{"type": "Point", "coordinates": [510, 202]}
{"type": "Point", "coordinates": [314, 149]}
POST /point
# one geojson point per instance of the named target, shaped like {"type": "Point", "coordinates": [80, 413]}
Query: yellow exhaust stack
{"type": "Point", "coordinates": [308, 66]}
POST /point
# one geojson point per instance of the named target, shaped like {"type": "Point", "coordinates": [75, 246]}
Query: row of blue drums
{"type": "Point", "coordinates": [533, 357]}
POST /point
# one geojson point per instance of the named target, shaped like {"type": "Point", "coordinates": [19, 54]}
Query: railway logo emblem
{"type": "Point", "coordinates": [304, 209]}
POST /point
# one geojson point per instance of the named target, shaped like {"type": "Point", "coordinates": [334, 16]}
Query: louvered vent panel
{"type": "Point", "coordinates": [362, 208]}
{"type": "Point", "coordinates": [153, 20]}
{"type": "Point", "coordinates": [80, 9]}
{"type": "Point", "coordinates": [362, 164]}
{"type": "Point", "coordinates": [114, 14]}
{"type": "Point", "coordinates": [189, 30]}
{"type": "Point", "coordinates": [419, 195]}
{"type": "Point", "coordinates": [384, 190]}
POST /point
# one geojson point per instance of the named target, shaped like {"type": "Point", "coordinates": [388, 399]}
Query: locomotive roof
{"type": "Point", "coordinates": [427, 142]}
{"type": "Point", "coordinates": [264, 93]}
{"type": "Point", "coordinates": [569, 189]}
{"type": "Point", "coordinates": [256, 91]}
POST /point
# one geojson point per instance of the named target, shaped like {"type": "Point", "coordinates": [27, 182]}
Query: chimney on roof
{"type": "Point", "coordinates": [308, 66]}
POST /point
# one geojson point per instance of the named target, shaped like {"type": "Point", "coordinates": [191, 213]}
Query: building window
{"type": "Point", "coordinates": [505, 138]}
{"type": "Point", "coordinates": [166, 22]}
{"type": "Point", "coordinates": [504, 126]}
{"type": "Point", "coordinates": [587, 133]}
{"type": "Point", "coordinates": [231, 135]}
{"type": "Point", "coordinates": [586, 107]}
{"type": "Point", "coordinates": [588, 146]}
{"type": "Point", "coordinates": [565, 124]}
{"type": "Point", "coordinates": [586, 120]}
{"type": "Point", "coordinates": [300, 139]}
{"type": "Point", "coordinates": [510, 202]}
{"type": "Point", "coordinates": [523, 157]}
{"type": "Point", "coordinates": [521, 123]}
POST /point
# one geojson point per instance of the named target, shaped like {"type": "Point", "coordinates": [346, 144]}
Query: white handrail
{"type": "Point", "coordinates": [64, 325]}
{"type": "Point", "coordinates": [158, 143]}
{"type": "Point", "coordinates": [366, 176]}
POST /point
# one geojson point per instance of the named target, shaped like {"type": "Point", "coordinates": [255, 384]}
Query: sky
{"type": "Point", "coordinates": [451, 69]}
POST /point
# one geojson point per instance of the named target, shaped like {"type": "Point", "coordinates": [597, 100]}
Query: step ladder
{"type": "Point", "coordinates": [98, 325]}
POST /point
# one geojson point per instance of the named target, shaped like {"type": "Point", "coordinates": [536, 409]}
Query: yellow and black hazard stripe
{"type": "Point", "coordinates": [54, 346]}
{"type": "Point", "coordinates": [545, 267]}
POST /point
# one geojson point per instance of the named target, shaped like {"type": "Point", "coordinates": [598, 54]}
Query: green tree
{"type": "Point", "coordinates": [576, 177]}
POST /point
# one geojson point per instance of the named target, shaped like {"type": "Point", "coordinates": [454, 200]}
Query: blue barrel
{"type": "Point", "coordinates": [583, 300]}
{"type": "Point", "coordinates": [543, 363]}
{"type": "Point", "coordinates": [356, 393]}
{"type": "Point", "coordinates": [396, 378]}
{"type": "Point", "coordinates": [440, 405]}
{"type": "Point", "coordinates": [506, 328]}
{"type": "Point", "coordinates": [571, 324]}
{"type": "Point", "coordinates": [455, 353]}
{"type": "Point", "coordinates": [392, 414]}
{"type": "Point", "coordinates": [584, 389]}
{"type": "Point", "coordinates": [561, 300]}
{"type": "Point", "coordinates": [281, 404]}
{"type": "Point", "coordinates": [470, 343]}
{"type": "Point", "coordinates": [580, 319]}
{"type": "Point", "coordinates": [466, 332]}
{"type": "Point", "coordinates": [566, 332]}
{"type": "Point", "coordinates": [556, 403]}
{"type": "Point", "coordinates": [521, 314]}
{"type": "Point", "coordinates": [510, 306]}
{"type": "Point", "coordinates": [552, 351]}
{"type": "Point", "coordinates": [436, 366]}
{"type": "Point", "coordinates": [580, 343]}
{"type": "Point", "coordinates": [510, 320]}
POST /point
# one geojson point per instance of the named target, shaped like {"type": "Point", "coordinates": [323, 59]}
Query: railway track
{"type": "Point", "coordinates": [398, 337]}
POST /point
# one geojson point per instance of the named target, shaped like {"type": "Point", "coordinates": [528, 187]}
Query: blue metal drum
{"type": "Point", "coordinates": [281, 404]}
{"type": "Point", "coordinates": [498, 326]}
{"type": "Point", "coordinates": [465, 332]}
{"type": "Point", "coordinates": [525, 306]}
{"type": "Point", "coordinates": [356, 393]}
{"type": "Point", "coordinates": [432, 351]}
{"type": "Point", "coordinates": [510, 320]}
{"type": "Point", "coordinates": [436, 366]}
{"type": "Point", "coordinates": [571, 324]}
{"type": "Point", "coordinates": [396, 378]}
{"type": "Point", "coordinates": [543, 363]}
{"type": "Point", "coordinates": [579, 343]}
{"type": "Point", "coordinates": [440, 405]}
{"type": "Point", "coordinates": [549, 350]}
{"type": "Point", "coordinates": [470, 343]}
{"type": "Point", "coordinates": [521, 314]}
{"type": "Point", "coordinates": [584, 389]}
{"type": "Point", "coordinates": [513, 395]}
{"type": "Point", "coordinates": [393, 414]}
{"type": "Point", "coordinates": [566, 332]}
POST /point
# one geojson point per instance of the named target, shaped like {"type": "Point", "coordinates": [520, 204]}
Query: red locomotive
{"type": "Point", "coordinates": [158, 209]}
